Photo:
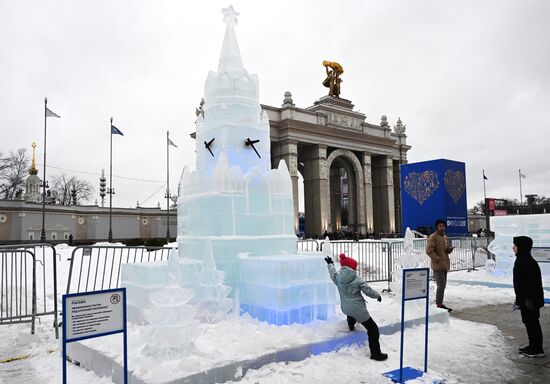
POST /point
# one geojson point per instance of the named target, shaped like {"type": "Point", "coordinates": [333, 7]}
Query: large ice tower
{"type": "Point", "coordinates": [236, 241]}
{"type": "Point", "coordinates": [234, 202]}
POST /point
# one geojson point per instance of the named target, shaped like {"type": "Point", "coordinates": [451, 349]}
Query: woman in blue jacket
{"type": "Point", "coordinates": [352, 302]}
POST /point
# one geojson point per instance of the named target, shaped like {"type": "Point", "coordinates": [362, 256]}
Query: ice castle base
{"type": "Point", "coordinates": [105, 363]}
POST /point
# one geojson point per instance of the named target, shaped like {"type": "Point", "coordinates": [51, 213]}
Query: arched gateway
{"type": "Point", "coordinates": [350, 167]}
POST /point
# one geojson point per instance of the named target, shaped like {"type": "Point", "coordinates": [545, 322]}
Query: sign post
{"type": "Point", "coordinates": [415, 287]}
{"type": "Point", "coordinates": [94, 314]}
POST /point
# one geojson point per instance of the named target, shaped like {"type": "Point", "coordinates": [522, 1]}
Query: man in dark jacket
{"type": "Point", "coordinates": [529, 294]}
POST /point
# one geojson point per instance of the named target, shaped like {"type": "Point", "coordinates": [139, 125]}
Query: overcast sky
{"type": "Point", "coordinates": [471, 79]}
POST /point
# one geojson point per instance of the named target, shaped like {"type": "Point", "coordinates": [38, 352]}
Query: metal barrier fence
{"type": "Point", "coordinates": [28, 276]}
{"type": "Point", "coordinates": [373, 257]}
{"type": "Point", "coordinates": [98, 267]}
{"type": "Point", "coordinates": [377, 258]}
{"type": "Point", "coordinates": [307, 245]}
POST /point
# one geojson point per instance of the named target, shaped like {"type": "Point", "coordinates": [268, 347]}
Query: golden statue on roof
{"type": "Point", "coordinates": [333, 80]}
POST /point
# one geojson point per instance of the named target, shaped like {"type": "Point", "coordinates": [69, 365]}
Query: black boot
{"type": "Point", "coordinates": [379, 356]}
{"type": "Point", "coordinates": [351, 323]}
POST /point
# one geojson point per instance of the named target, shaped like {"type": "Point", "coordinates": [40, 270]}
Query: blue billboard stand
{"type": "Point", "coordinates": [415, 287]}
{"type": "Point", "coordinates": [89, 315]}
{"type": "Point", "coordinates": [432, 190]}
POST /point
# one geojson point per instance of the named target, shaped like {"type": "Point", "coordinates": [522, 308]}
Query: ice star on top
{"type": "Point", "coordinates": [230, 16]}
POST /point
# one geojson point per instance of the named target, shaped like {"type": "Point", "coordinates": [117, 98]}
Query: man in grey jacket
{"type": "Point", "coordinates": [352, 301]}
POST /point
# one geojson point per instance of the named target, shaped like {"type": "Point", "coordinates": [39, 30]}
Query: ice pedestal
{"type": "Point", "coordinates": [157, 299]}
{"type": "Point", "coordinates": [286, 289]}
{"type": "Point", "coordinates": [143, 281]}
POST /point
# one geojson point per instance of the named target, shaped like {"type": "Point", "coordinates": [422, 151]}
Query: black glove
{"type": "Point", "coordinates": [529, 305]}
{"type": "Point", "coordinates": [379, 299]}
{"type": "Point", "coordinates": [328, 259]}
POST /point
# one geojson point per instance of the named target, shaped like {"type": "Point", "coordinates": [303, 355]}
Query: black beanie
{"type": "Point", "coordinates": [523, 243]}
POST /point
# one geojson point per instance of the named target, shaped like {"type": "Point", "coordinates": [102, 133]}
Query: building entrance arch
{"type": "Point", "coordinates": [346, 192]}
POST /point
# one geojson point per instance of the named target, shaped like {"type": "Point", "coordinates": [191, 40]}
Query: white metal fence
{"type": "Point", "coordinates": [28, 278]}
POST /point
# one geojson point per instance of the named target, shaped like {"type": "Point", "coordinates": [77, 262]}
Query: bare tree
{"type": "Point", "coordinates": [70, 190]}
{"type": "Point", "coordinates": [14, 169]}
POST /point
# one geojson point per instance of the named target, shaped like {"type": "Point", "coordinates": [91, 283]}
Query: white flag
{"type": "Point", "coordinates": [50, 113]}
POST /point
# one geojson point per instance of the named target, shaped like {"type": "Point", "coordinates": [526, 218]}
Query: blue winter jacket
{"type": "Point", "coordinates": [350, 286]}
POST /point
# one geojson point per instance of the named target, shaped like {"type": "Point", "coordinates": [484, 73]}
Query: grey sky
{"type": "Point", "coordinates": [469, 78]}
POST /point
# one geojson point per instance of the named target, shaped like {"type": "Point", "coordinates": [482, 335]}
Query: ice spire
{"type": "Point", "coordinates": [230, 57]}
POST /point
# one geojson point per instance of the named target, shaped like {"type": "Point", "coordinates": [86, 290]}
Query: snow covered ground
{"type": "Point", "coordinates": [459, 351]}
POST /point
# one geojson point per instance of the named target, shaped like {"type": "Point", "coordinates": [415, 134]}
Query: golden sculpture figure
{"type": "Point", "coordinates": [333, 79]}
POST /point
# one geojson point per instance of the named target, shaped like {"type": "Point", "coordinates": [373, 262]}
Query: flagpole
{"type": "Point", "coordinates": [110, 236]}
{"type": "Point", "coordinates": [43, 231]}
{"type": "Point", "coordinates": [167, 186]}
{"type": "Point", "coordinates": [484, 192]}
{"type": "Point", "coordinates": [520, 191]}
{"type": "Point", "coordinates": [487, 218]}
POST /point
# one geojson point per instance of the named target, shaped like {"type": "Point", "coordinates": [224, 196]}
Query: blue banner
{"type": "Point", "coordinates": [432, 190]}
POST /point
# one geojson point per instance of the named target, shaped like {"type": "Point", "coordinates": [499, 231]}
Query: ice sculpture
{"type": "Point", "coordinates": [235, 213]}
{"type": "Point", "coordinates": [506, 227]}
{"type": "Point", "coordinates": [236, 241]}
{"type": "Point", "coordinates": [410, 258]}
{"type": "Point", "coordinates": [171, 329]}
{"type": "Point", "coordinates": [234, 202]}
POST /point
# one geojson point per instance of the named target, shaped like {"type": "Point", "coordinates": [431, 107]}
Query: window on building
{"type": "Point", "coordinates": [31, 236]}
{"type": "Point", "coordinates": [54, 235]}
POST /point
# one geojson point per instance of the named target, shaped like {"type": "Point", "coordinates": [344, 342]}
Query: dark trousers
{"type": "Point", "coordinates": [531, 320]}
{"type": "Point", "coordinates": [441, 282]}
{"type": "Point", "coordinates": [372, 331]}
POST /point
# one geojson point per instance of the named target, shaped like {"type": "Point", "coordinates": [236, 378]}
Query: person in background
{"type": "Point", "coordinates": [352, 302]}
{"type": "Point", "coordinates": [529, 294]}
{"type": "Point", "coordinates": [438, 249]}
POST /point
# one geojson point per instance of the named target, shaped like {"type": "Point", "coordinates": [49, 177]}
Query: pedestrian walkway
{"type": "Point", "coordinates": [509, 323]}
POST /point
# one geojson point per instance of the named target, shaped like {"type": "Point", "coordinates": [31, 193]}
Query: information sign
{"type": "Point", "coordinates": [94, 314]}
{"type": "Point", "coordinates": [415, 286]}
{"type": "Point", "coordinates": [415, 283]}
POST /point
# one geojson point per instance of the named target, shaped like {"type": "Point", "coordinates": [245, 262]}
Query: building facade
{"type": "Point", "coordinates": [330, 139]}
{"type": "Point", "coordinates": [22, 221]}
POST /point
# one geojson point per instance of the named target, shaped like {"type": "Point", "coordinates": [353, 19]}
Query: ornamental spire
{"type": "Point", "coordinates": [33, 170]}
{"type": "Point", "coordinates": [230, 57]}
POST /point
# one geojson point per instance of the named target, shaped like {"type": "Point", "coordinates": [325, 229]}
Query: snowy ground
{"type": "Point", "coordinates": [458, 352]}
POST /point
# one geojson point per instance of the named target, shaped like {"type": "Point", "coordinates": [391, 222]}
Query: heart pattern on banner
{"type": "Point", "coordinates": [421, 185]}
{"type": "Point", "coordinates": [455, 184]}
